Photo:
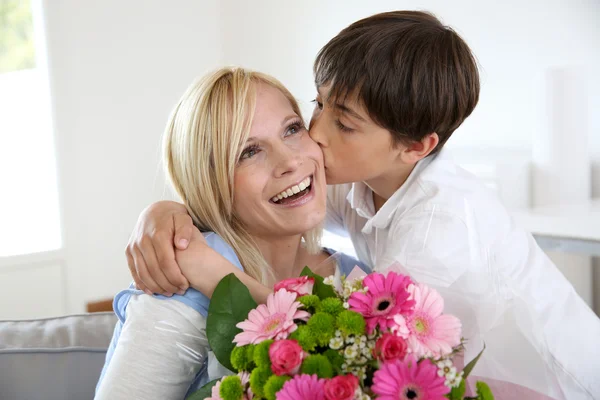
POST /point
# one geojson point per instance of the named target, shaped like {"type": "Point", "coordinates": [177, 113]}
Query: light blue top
{"type": "Point", "coordinates": [200, 302]}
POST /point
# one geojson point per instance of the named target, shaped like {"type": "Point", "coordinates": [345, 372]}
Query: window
{"type": "Point", "coordinates": [29, 210]}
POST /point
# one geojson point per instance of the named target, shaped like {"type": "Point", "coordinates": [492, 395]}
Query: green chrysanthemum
{"type": "Point", "coordinates": [242, 358]}
{"type": "Point", "coordinates": [258, 379]}
{"type": "Point", "coordinates": [322, 326]}
{"type": "Point", "coordinates": [351, 323]}
{"type": "Point", "coordinates": [310, 301]}
{"type": "Point", "coordinates": [296, 334]}
{"type": "Point", "coordinates": [331, 305]}
{"type": "Point", "coordinates": [274, 385]}
{"type": "Point", "coordinates": [305, 337]}
{"type": "Point", "coordinates": [317, 364]}
{"type": "Point", "coordinates": [231, 388]}
{"type": "Point", "coordinates": [335, 358]}
{"type": "Point", "coordinates": [261, 354]}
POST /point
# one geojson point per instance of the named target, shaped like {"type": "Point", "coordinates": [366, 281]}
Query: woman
{"type": "Point", "coordinates": [238, 154]}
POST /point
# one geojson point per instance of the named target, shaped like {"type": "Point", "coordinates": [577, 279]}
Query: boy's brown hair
{"type": "Point", "coordinates": [414, 75]}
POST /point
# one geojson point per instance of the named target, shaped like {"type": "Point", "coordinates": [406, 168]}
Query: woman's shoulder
{"type": "Point", "coordinates": [191, 298]}
{"type": "Point", "coordinates": [218, 244]}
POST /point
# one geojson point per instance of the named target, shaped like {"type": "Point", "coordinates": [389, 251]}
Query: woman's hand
{"type": "Point", "coordinates": [151, 248]}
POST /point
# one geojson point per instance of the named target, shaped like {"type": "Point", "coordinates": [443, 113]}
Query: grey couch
{"type": "Point", "coordinates": [55, 358]}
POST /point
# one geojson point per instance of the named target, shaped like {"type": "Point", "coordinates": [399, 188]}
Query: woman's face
{"type": "Point", "coordinates": [279, 184]}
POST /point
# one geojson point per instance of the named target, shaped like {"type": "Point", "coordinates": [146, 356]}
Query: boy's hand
{"type": "Point", "coordinates": [202, 265]}
{"type": "Point", "coordinates": [151, 253]}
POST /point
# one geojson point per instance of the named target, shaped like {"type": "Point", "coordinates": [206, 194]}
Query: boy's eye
{"type": "Point", "coordinates": [343, 127]}
{"type": "Point", "coordinates": [318, 104]}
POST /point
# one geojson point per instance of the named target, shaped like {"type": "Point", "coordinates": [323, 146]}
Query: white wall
{"type": "Point", "coordinates": [515, 42]}
{"type": "Point", "coordinates": [116, 70]}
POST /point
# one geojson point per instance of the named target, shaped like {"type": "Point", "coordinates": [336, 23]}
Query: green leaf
{"type": "Point", "coordinates": [320, 289]}
{"type": "Point", "coordinates": [483, 391]}
{"type": "Point", "coordinates": [469, 367]}
{"type": "Point", "coordinates": [204, 392]}
{"type": "Point", "coordinates": [230, 304]}
{"type": "Point", "coordinates": [458, 392]}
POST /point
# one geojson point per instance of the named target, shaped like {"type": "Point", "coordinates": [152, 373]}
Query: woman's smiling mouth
{"type": "Point", "coordinates": [295, 195]}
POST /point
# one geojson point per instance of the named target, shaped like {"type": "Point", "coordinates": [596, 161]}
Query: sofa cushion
{"type": "Point", "coordinates": [54, 358]}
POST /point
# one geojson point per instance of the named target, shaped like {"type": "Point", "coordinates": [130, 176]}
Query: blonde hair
{"type": "Point", "coordinates": [203, 142]}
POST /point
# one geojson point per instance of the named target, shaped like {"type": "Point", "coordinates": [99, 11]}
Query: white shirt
{"type": "Point", "coordinates": [161, 348]}
{"type": "Point", "coordinates": [446, 229]}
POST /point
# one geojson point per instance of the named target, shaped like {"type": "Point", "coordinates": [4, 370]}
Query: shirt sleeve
{"type": "Point", "coordinates": [552, 315]}
{"type": "Point", "coordinates": [336, 209]}
{"type": "Point", "coordinates": [507, 294]}
{"type": "Point", "coordinates": [433, 246]}
{"type": "Point", "coordinates": [161, 349]}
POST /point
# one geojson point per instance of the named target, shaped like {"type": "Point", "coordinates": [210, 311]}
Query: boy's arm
{"type": "Point", "coordinates": [480, 283]}
{"type": "Point", "coordinates": [150, 252]}
{"type": "Point", "coordinates": [154, 262]}
{"type": "Point", "coordinates": [336, 208]}
{"type": "Point", "coordinates": [204, 268]}
{"type": "Point", "coordinates": [434, 246]}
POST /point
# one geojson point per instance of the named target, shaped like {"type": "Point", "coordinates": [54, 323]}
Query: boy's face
{"type": "Point", "coordinates": [354, 147]}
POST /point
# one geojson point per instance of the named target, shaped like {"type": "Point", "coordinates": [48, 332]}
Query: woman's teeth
{"type": "Point", "coordinates": [292, 190]}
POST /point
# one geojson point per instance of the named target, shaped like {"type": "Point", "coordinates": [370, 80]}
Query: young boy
{"type": "Point", "coordinates": [392, 88]}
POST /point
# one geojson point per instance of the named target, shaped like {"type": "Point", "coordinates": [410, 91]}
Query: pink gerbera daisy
{"type": "Point", "coordinates": [245, 378]}
{"type": "Point", "coordinates": [275, 320]}
{"type": "Point", "coordinates": [214, 392]}
{"type": "Point", "coordinates": [385, 297]}
{"type": "Point", "coordinates": [403, 380]}
{"type": "Point", "coordinates": [427, 331]}
{"type": "Point", "coordinates": [303, 387]}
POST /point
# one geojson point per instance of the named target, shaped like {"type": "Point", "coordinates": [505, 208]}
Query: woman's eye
{"type": "Point", "coordinates": [294, 128]}
{"type": "Point", "coordinates": [249, 153]}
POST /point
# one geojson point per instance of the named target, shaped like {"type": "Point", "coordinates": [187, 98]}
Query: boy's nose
{"type": "Point", "coordinates": [316, 133]}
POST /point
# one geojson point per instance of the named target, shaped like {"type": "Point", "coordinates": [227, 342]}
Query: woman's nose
{"type": "Point", "coordinates": [288, 161]}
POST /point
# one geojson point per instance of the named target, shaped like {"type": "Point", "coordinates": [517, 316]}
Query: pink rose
{"type": "Point", "coordinates": [341, 387]}
{"type": "Point", "coordinates": [286, 356]}
{"type": "Point", "coordinates": [301, 286]}
{"type": "Point", "coordinates": [390, 347]}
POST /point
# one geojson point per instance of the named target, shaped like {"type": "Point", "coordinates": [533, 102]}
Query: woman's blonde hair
{"type": "Point", "coordinates": [203, 141]}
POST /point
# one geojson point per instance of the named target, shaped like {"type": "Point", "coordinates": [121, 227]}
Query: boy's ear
{"type": "Point", "coordinates": [416, 151]}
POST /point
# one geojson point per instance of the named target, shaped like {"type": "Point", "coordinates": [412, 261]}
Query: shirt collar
{"type": "Point", "coordinates": [360, 198]}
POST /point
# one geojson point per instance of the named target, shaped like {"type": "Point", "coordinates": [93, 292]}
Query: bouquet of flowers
{"type": "Point", "coordinates": [374, 337]}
